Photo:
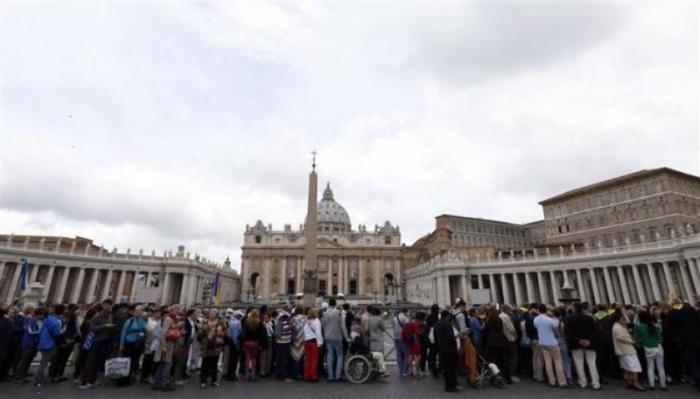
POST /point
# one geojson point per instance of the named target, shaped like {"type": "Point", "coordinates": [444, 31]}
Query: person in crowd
{"type": "Point", "coordinates": [153, 328]}
{"type": "Point", "coordinates": [581, 333]}
{"type": "Point", "coordinates": [170, 333]}
{"type": "Point", "coordinates": [50, 338]}
{"type": "Point", "coordinates": [85, 342]}
{"type": "Point", "coordinates": [253, 339]}
{"type": "Point", "coordinates": [298, 322]}
{"type": "Point", "coordinates": [410, 335]}
{"type": "Point", "coordinates": [683, 325]}
{"type": "Point", "coordinates": [402, 353]}
{"type": "Point", "coordinates": [625, 350]}
{"type": "Point", "coordinates": [5, 336]}
{"type": "Point", "coordinates": [30, 340]}
{"type": "Point", "coordinates": [375, 339]}
{"type": "Point", "coordinates": [648, 335]}
{"type": "Point", "coordinates": [133, 339]}
{"type": "Point", "coordinates": [232, 338]}
{"type": "Point", "coordinates": [185, 349]}
{"type": "Point", "coordinates": [283, 340]}
{"type": "Point", "coordinates": [313, 340]}
{"type": "Point", "coordinates": [476, 327]}
{"type": "Point", "coordinates": [494, 341]}
{"type": "Point", "coordinates": [65, 345]}
{"type": "Point", "coordinates": [557, 315]}
{"type": "Point", "coordinates": [266, 354]}
{"type": "Point", "coordinates": [100, 326]}
{"type": "Point", "coordinates": [530, 330]}
{"type": "Point", "coordinates": [430, 351]}
{"type": "Point", "coordinates": [446, 338]}
{"type": "Point", "coordinates": [547, 331]}
{"type": "Point", "coordinates": [334, 334]}
{"type": "Point", "coordinates": [14, 345]}
{"type": "Point", "coordinates": [211, 337]}
{"type": "Point", "coordinates": [511, 333]}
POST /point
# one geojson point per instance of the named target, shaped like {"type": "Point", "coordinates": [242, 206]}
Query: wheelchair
{"type": "Point", "coordinates": [361, 368]}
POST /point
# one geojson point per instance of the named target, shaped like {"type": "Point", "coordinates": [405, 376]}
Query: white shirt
{"type": "Point", "coordinates": [312, 330]}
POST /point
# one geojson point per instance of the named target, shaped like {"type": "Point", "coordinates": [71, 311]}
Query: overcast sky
{"type": "Point", "coordinates": [148, 125]}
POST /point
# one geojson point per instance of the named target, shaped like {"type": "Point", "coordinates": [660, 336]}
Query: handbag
{"type": "Point", "coordinates": [173, 334]}
{"type": "Point", "coordinates": [117, 367]}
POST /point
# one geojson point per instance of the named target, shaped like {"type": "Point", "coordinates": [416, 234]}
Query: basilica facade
{"type": "Point", "coordinates": [362, 264]}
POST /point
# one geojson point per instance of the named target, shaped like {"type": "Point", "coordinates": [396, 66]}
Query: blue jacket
{"type": "Point", "coordinates": [134, 330]}
{"type": "Point", "coordinates": [31, 333]}
{"type": "Point", "coordinates": [234, 331]}
{"type": "Point", "coordinates": [52, 328]}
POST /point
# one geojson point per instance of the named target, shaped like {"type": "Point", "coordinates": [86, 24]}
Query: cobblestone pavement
{"type": "Point", "coordinates": [394, 387]}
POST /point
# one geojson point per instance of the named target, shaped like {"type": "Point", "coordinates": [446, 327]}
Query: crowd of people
{"type": "Point", "coordinates": [567, 346]}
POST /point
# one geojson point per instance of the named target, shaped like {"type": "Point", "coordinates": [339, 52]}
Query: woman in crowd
{"type": "Point", "coordinates": [163, 356]}
{"type": "Point", "coordinates": [648, 335]}
{"type": "Point", "coordinates": [625, 351]}
{"type": "Point", "coordinates": [495, 343]}
{"type": "Point", "coordinates": [211, 338]}
{"type": "Point", "coordinates": [253, 339]}
{"type": "Point", "coordinates": [296, 350]}
{"type": "Point", "coordinates": [133, 337]}
{"type": "Point", "coordinates": [558, 315]}
{"type": "Point", "coordinates": [313, 340]}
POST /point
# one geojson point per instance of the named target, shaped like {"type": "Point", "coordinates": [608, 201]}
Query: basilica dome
{"type": "Point", "coordinates": [331, 215]}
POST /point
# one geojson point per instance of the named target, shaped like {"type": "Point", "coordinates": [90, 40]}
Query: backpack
{"type": "Point", "coordinates": [530, 329]}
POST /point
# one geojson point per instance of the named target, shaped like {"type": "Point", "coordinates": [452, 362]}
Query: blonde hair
{"type": "Point", "coordinates": [253, 320]}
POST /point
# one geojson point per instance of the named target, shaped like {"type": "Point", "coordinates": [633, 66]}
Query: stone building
{"type": "Point", "coordinates": [633, 238]}
{"type": "Point", "coordinates": [74, 270]}
{"type": "Point", "coordinates": [643, 206]}
{"type": "Point", "coordinates": [363, 264]}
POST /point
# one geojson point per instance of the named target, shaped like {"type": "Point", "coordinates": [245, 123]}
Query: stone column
{"type": "Point", "coordinates": [518, 290]}
{"type": "Point", "coordinates": [300, 275]}
{"type": "Point", "coordinates": [608, 285]}
{"type": "Point", "coordinates": [580, 287]}
{"type": "Point", "coordinates": [2, 275]}
{"type": "Point", "coordinates": [78, 286]}
{"type": "Point", "coordinates": [360, 276]}
{"type": "Point", "coordinates": [695, 276]}
{"type": "Point", "coordinates": [283, 277]}
{"type": "Point", "coordinates": [478, 281]}
{"type": "Point", "coordinates": [530, 293]}
{"type": "Point", "coordinates": [266, 275]}
{"type": "Point", "coordinates": [638, 284]}
{"type": "Point", "coordinates": [654, 282]}
{"type": "Point", "coordinates": [506, 291]}
{"type": "Point", "coordinates": [544, 296]}
{"type": "Point", "coordinates": [165, 293]}
{"type": "Point", "coordinates": [120, 286]}
{"type": "Point", "coordinates": [62, 285]}
{"type": "Point", "coordinates": [669, 278]}
{"type": "Point", "coordinates": [492, 287]}
{"type": "Point", "coordinates": [90, 298]}
{"type": "Point", "coordinates": [555, 287]}
{"type": "Point", "coordinates": [686, 281]}
{"type": "Point", "coordinates": [47, 285]}
{"type": "Point", "coordinates": [446, 290]}
{"type": "Point", "coordinates": [33, 273]}
{"type": "Point", "coordinates": [12, 292]}
{"type": "Point", "coordinates": [106, 284]}
{"type": "Point", "coordinates": [135, 285]}
{"type": "Point", "coordinates": [594, 285]}
{"type": "Point", "coordinates": [623, 284]}
{"type": "Point", "coordinates": [465, 289]}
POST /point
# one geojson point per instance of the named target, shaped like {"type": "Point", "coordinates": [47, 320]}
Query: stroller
{"type": "Point", "coordinates": [488, 372]}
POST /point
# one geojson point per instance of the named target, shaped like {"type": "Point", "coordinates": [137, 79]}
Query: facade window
{"type": "Point", "coordinates": [258, 239]}
{"type": "Point", "coordinates": [322, 286]}
{"type": "Point", "coordinates": [353, 287]}
{"type": "Point", "coordinates": [387, 240]}
{"type": "Point", "coordinates": [291, 287]}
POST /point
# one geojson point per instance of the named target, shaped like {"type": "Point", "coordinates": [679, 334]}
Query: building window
{"type": "Point", "coordinates": [291, 287]}
{"type": "Point", "coordinates": [258, 239]}
{"type": "Point", "coordinates": [387, 240]}
{"type": "Point", "coordinates": [322, 287]}
{"type": "Point", "coordinates": [353, 287]}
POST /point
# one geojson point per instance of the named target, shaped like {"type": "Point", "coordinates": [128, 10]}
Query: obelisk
{"type": "Point", "coordinates": [310, 251]}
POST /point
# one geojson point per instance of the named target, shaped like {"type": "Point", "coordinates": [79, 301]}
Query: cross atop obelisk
{"type": "Point", "coordinates": [310, 230]}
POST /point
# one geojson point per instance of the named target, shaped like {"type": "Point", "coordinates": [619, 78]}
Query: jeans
{"type": "Point", "coordinates": [655, 356]}
{"type": "Point", "coordinates": [46, 358]}
{"type": "Point", "coordinates": [25, 361]}
{"type": "Point", "coordinates": [233, 353]}
{"type": "Point", "coordinates": [162, 378]}
{"type": "Point", "coordinates": [590, 356]}
{"type": "Point", "coordinates": [334, 351]}
{"type": "Point", "coordinates": [402, 356]}
{"type": "Point", "coordinates": [133, 351]}
{"type": "Point", "coordinates": [58, 366]}
{"type": "Point", "coordinates": [565, 359]}
{"type": "Point", "coordinates": [209, 368]}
